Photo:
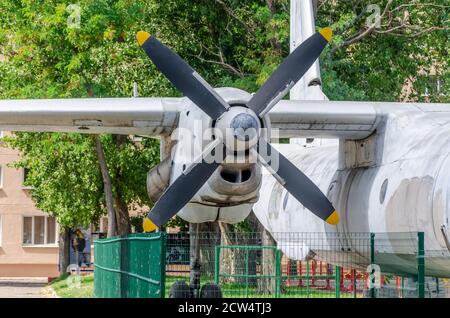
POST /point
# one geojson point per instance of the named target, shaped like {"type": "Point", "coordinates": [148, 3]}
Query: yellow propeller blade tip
{"type": "Point", "coordinates": [333, 219]}
{"type": "Point", "coordinates": [141, 37]}
{"type": "Point", "coordinates": [148, 225]}
{"type": "Point", "coordinates": [326, 33]}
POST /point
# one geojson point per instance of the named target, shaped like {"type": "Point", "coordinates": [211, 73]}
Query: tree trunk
{"type": "Point", "coordinates": [276, 45]}
{"type": "Point", "coordinates": [122, 216]}
{"type": "Point", "coordinates": [107, 187]}
{"type": "Point", "coordinates": [227, 255]}
{"type": "Point", "coordinates": [194, 258]}
{"type": "Point", "coordinates": [315, 7]}
{"type": "Point", "coordinates": [240, 261]}
{"type": "Point", "coordinates": [267, 285]}
{"type": "Point", "coordinates": [209, 237]}
{"type": "Point", "coordinates": [123, 222]}
{"type": "Point", "coordinates": [252, 238]}
{"type": "Point", "coordinates": [64, 250]}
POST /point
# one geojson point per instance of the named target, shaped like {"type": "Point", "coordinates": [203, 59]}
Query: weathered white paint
{"type": "Point", "coordinates": [412, 154]}
{"type": "Point", "coordinates": [141, 116]}
{"type": "Point", "coordinates": [218, 199]}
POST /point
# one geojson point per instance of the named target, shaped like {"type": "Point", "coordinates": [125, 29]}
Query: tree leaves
{"type": "Point", "coordinates": [234, 43]}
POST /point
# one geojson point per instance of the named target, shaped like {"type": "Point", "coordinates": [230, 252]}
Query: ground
{"type": "Point", "coordinates": [24, 288]}
{"type": "Point", "coordinates": [65, 288]}
{"type": "Point", "coordinates": [61, 287]}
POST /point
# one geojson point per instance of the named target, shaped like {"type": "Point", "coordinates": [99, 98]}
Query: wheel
{"type": "Point", "coordinates": [180, 289]}
{"type": "Point", "coordinates": [210, 290]}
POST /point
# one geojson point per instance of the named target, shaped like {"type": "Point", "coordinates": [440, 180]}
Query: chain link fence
{"type": "Point", "coordinates": [306, 265]}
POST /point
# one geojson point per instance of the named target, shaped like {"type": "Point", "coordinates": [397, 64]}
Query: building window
{"type": "Point", "coordinates": [39, 230]}
{"type": "Point", "coordinates": [25, 173]}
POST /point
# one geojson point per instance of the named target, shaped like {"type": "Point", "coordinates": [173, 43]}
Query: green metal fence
{"type": "Point", "coordinates": [131, 266]}
{"type": "Point", "coordinates": [307, 265]}
{"type": "Point", "coordinates": [247, 277]}
{"type": "Point", "coordinates": [279, 265]}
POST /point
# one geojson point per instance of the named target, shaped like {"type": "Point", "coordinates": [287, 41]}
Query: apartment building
{"type": "Point", "coordinates": [28, 236]}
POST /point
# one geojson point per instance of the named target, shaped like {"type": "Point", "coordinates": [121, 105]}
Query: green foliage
{"type": "Point", "coordinates": [411, 43]}
{"type": "Point", "coordinates": [65, 177]}
{"type": "Point", "coordinates": [47, 59]}
{"type": "Point", "coordinates": [230, 42]}
{"type": "Point", "coordinates": [59, 162]}
{"type": "Point", "coordinates": [178, 222]}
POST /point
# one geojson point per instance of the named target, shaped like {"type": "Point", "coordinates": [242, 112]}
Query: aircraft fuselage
{"type": "Point", "coordinates": [397, 180]}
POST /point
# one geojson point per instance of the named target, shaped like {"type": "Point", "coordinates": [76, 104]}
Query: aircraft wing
{"type": "Point", "coordinates": [325, 119]}
{"type": "Point", "coordinates": [136, 116]}
{"type": "Point", "coordinates": [157, 116]}
{"type": "Point", "coordinates": [339, 119]}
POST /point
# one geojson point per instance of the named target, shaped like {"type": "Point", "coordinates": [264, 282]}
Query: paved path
{"type": "Point", "coordinates": [22, 288]}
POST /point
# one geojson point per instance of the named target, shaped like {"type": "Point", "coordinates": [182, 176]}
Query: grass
{"type": "Point", "coordinates": [233, 290]}
{"type": "Point", "coordinates": [62, 286]}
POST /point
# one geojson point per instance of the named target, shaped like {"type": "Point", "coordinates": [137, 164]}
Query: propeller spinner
{"type": "Point", "coordinates": [244, 124]}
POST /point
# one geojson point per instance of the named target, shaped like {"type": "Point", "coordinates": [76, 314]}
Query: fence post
{"type": "Point", "coordinates": [278, 273]}
{"type": "Point", "coordinates": [372, 262]}
{"type": "Point", "coordinates": [307, 278]}
{"type": "Point", "coordinates": [403, 286]}
{"type": "Point", "coordinates": [421, 265]}
{"type": "Point", "coordinates": [337, 281]}
{"type": "Point", "coordinates": [163, 239]}
{"type": "Point", "coordinates": [217, 264]}
{"type": "Point", "coordinates": [96, 271]}
{"type": "Point", "coordinates": [246, 271]}
{"type": "Point", "coordinates": [120, 291]}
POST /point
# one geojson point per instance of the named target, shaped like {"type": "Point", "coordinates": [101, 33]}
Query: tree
{"type": "Point", "coordinates": [379, 48]}
{"type": "Point", "coordinates": [48, 58]}
{"type": "Point", "coordinates": [229, 42]}
{"type": "Point", "coordinates": [107, 187]}
{"type": "Point", "coordinates": [63, 162]}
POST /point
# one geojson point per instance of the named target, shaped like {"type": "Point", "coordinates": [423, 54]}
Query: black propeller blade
{"type": "Point", "coordinates": [203, 95]}
{"type": "Point", "coordinates": [289, 72]}
{"type": "Point", "coordinates": [299, 185]}
{"type": "Point", "coordinates": [182, 76]}
{"type": "Point", "coordinates": [179, 193]}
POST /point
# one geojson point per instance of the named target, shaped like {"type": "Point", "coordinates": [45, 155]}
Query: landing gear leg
{"type": "Point", "coordinates": [194, 259]}
{"type": "Point", "coordinates": [210, 290]}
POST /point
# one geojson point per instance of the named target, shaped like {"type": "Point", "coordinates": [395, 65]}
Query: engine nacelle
{"type": "Point", "coordinates": [158, 179]}
{"type": "Point", "coordinates": [233, 188]}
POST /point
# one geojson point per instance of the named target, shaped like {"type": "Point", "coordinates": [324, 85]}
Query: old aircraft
{"type": "Point", "coordinates": [387, 168]}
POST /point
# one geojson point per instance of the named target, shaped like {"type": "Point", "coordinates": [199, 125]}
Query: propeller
{"type": "Point", "coordinates": [238, 119]}
{"type": "Point", "coordinates": [289, 72]}
{"type": "Point", "coordinates": [299, 185]}
{"type": "Point", "coordinates": [182, 76]}
{"type": "Point", "coordinates": [184, 188]}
